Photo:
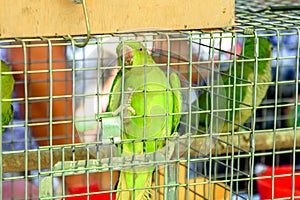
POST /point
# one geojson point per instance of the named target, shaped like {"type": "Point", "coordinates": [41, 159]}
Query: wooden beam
{"type": "Point", "coordinates": [29, 18]}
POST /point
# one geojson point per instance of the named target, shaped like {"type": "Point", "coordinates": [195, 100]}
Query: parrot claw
{"type": "Point", "coordinates": [127, 106]}
{"type": "Point", "coordinates": [131, 109]}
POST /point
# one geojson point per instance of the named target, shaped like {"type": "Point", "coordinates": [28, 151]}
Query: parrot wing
{"type": "Point", "coordinates": [238, 94]}
{"type": "Point", "coordinates": [177, 99]}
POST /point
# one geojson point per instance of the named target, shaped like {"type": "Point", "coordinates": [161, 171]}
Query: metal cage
{"type": "Point", "coordinates": [64, 143]}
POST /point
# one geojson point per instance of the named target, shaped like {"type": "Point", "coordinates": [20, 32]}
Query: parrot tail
{"type": "Point", "coordinates": [129, 190]}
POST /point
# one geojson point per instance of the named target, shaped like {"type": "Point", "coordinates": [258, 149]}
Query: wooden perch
{"type": "Point", "coordinates": [15, 162]}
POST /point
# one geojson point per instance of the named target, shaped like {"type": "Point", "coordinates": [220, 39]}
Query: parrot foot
{"type": "Point", "coordinates": [127, 106]}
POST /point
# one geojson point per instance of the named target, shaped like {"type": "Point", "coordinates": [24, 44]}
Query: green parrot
{"type": "Point", "coordinates": [245, 72]}
{"type": "Point", "coordinates": [151, 110]}
{"type": "Point", "coordinates": [7, 87]}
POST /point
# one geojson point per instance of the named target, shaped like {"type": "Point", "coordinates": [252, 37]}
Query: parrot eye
{"type": "Point", "coordinates": [141, 49]}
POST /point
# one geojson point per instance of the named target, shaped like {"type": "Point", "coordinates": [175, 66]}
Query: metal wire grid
{"type": "Point", "coordinates": [282, 96]}
{"type": "Point", "coordinates": [232, 166]}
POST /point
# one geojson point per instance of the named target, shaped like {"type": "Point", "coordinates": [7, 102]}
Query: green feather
{"type": "Point", "coordinates": [243, 93]}
{"type": "Point", "coordinates": [7, 87]}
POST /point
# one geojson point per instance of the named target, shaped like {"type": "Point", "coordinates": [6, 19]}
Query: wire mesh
{"type": "Point", "coordinates": [64, 142]}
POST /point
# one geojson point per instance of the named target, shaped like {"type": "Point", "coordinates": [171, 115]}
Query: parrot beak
{"type": "Point", "coordinates": [128, 54]}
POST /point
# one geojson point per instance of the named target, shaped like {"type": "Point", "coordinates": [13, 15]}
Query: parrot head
{"type": "Point", "coordinates": [131, 50]}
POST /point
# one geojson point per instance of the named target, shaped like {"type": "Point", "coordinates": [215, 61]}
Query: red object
{"type": "Point", "coordinates": [282, 185]}
{"type": "Point", "coordinates": [92, 188]}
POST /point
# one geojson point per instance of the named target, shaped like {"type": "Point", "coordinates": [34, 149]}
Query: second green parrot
{"type": "Point", "coordinates": [239, 95]}
{"type": "Point", "coordinates": [150, 111]}
{"type": "Point", "coordinates": [7, 87]}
